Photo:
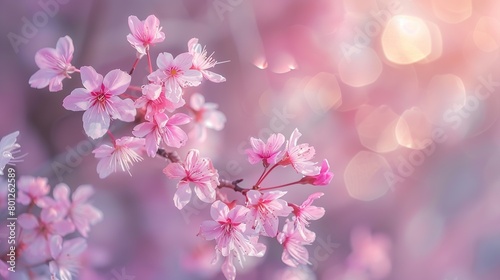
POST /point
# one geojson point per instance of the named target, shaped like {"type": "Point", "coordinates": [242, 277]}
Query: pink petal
{"type": "Point", "coordinates": [63, 227]}
{"type": "Point", "coordinates": [82, 194]}
{"type": "Point", "coordinates": [192, 159]}
{"type": "Point", "coordinates": [182, 195]}
{"type": "Point", "coordinates": [27, 221]}
{"type": "Point", "coordinates": [151, 23]}
{"type": "Point", "coordinates": [238, 214]}
{"type": "Point", "coordinates": [228, 268]}
{"type": "Point", "coordinates": [174, 170]}
{"type": "Point", "coordinates": [210, 230]}
{"type": "Point", "coordinates": [78, 100]}
{"type": "Point", "coordinates": [134, 24]}
{"type": "Point", "coordinates": [213, 77]}
{"type": "Point", "coordinates": [47, 58]}
{"type": "Point", "coordinates": [90, 78]}
{"type": "Point", "coordinates": [55, 246]}
{"type": "Point", "coordinates": [65, 47]}
{"type": "Point", "coordinates": [61, 193]}
{"type": "Point", "coordinates": [253, 197]}
{"type": "Point", "coordinates": [105, 167]}
{"type": "Point", "coordinates": [179, 119]}
{"type": "Point", "coordinates": [175, 137]}
{"type": "Point", "coordinates": [143, 129]}
{"type": "Point", "coordinates": [191, 78]}
{"type": "Point", "coordinates": [192, 44]}
{"type": "Point", "coordinates": [219, 211]}
{"type": "Point", "coordinates": [152, 91]}
{"type": "Point", "coordinates": [124, 108]}
{"type": "Point", "coordinates": [116, 81]}
{"type": "Point", "coordinates": [183, 61]}
{"type": "Point", "coordinates": [214, 120]}
{"type": "Point", "coordinates": [74, 247]}
{"type": "Point", "coordinates": [196, 102]}
{"type": "Point", "coordinates": [205, 192]}
{"type": "Point", "coordinates": [55, 84]}
{"type": "Point", "coordinates": [95, 122]}
{"type": "Point", "coordinates": [164, 60]}
{"type": "Point", "coordinates": [103, 151]}
{"type": "Point", "coordinates": [41, 78]}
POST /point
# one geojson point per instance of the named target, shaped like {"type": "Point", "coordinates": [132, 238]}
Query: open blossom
{"type": "Point", "coordinates": [176, 74]}
{"type": "Point", "coordinates": [162, 128]}
{"type": "Point", "coordinates": [206, 116]}
{"type": "Point", "coordinates": [202, 62]}
{"type": "Point", "coordinates": [99, 99]}
{"type": "Point", "coordinates": [78, 210]}
{"type": "Point", "coordinates": [304, 213]}
{"type": "Point", "coordinates": [154, 100]}
{"type": "Point", "coordinates": [65, 257]}
{"type": "Point", "coordinates": [124, 152]}
{"type": "Point", "coordinates": [265, 208]}
{"type": "Point", "coordinates": [144, 33]}
{"type": "Point", "coordinates": [299, 155]}
{"type": "Point", "coordinates": [294, 252]}
{"type": "Point", "coordinates": [8, 149]}
{"type": "Point", "coordinates": [198, 171]}
{"type": "Point", "coordinates": [33, 190]}
{"type": "Point", "coordinates": [37, 232]}
{"type": "Point", "coordinates": [323, 178]}
{"type": "Point", "coordinates": [233, 239]}
{"type": "Point", "coordinates": [265, 152]}
{"type": "Point", "coordinates": [55, 65]}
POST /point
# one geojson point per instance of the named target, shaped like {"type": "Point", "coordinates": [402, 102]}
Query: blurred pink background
{"type": "Point", "coordinates": [402, 98]}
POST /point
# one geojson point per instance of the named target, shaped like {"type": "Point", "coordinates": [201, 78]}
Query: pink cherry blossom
{"type": "Point", "coordinates": [33, 191]}
{"type": "Point", "coordinates": [265, 152]}
{"type": "Point", "coordinates": [202, 62]}
{"type": "Point", "coordinates": [38, 231]}
{"type": "Point", "coordinates": [162, 128]}
{"type": "Point", "coordinates": [265, 208]}
{"type": "Point", "coordinates": [294, 252]}
{"type": "Point", "coordinates": [144, 33]}
{"type": "Point", "coordinates": [154, 100]}
{"type": "Point", "coordinates": [198, 171]}
{"type": "Point", "coordinates": [81, 213]}
{"type": "Point", "coordinates": [206, 116]}
{"type": "Point", "coordinates": [306, 212]}
{"type": "Point", "coordinates": [323, 178]}
{"type": "Point", "coordinates": [233, 238]}
{"type": "Point", "coordinates": [99, 99]}
{"type": "Point", "coordinates": [176, 74]}
{"type": "Point", "coordinates": [299, 156]}
{"type": "Point", "coordinates": [124, 152]}
{"type": "Point", "coordinates": [8, 150]}
{"type": "Point", "coordinates": [55, 65]}
{"type": "Point", "coordinates": [65, 257]}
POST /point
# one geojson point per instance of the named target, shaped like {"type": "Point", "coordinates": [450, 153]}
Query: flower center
{"type": "Point", "coordinates": [174, 72]}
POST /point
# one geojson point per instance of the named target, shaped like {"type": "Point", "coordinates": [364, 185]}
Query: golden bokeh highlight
{"type": "Point", "coordinates": [406, 40]}
{"type": "Point", "coordinates": [376, 128]}
{"type": "Point", "coordinates": [452, 11]}
{"type": "Point", "coordinates": [413, 130]}
{"type": "Point", "coordinates": [486, 34]}
{"type": "Point", "coordinates": [437, 43]}
{"type": "Point", "coordinates": [362, 67]}
{"type": "Point", "coordinates": [444, 92]}
{"type": "Point", "coordinates": [322, 92]}
{"type": "Point", "coordinates": [364, 176]}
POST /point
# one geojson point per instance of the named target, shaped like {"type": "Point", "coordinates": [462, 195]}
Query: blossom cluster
{"type": "Point", "coordinates": [42, 241]}
{"type": "Point", "coordinates": [160, 113]}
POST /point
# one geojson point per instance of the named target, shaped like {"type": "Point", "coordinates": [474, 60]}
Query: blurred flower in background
{"type": "Point", "coordinates": [400, 96]}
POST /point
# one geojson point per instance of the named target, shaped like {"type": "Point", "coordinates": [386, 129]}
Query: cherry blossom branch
{"type": "Point", "coordinates": [149, 61]}
{"type": "Point", "coordinates": [281, 186]}
{"type": "Point", "coordinates": [171, 156]}
{"type": "Point", "coordinates": [133, 66]}
{"type": "Point", "coordinates": [232, 185]}
{"type": "Point", "coordinates": [264, 175]}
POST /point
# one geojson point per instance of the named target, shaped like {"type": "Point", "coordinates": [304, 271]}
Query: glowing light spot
{"type": "Point", "coordinates": [443, 93]}
{"type": "Point", "coordinates": [322, 93]}
{"type": "Point", "coordinates": [361, 68]}
{"type": "Point", "coordinates": [376, 128]}
{"type": "Point", "coordinates": [260, 62]}
{"type": "Point", "coordinates": [413, 130]}
{"type": "Point", "coordinates": [364, 176]}
{"type": "Point", "coordinates": [437, 43]}
{"type": "Point", "coordinates": [282, 63]}
{"type": "Point", "coordinates": [452, 11]}
{"type": "Point", "coordinates": [406, 40]}
{"type": "Point", "coordinates": [486, 34]}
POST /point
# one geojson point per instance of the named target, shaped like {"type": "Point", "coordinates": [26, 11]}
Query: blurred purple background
{"type": "Point", "coordinates": [402, 98]}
